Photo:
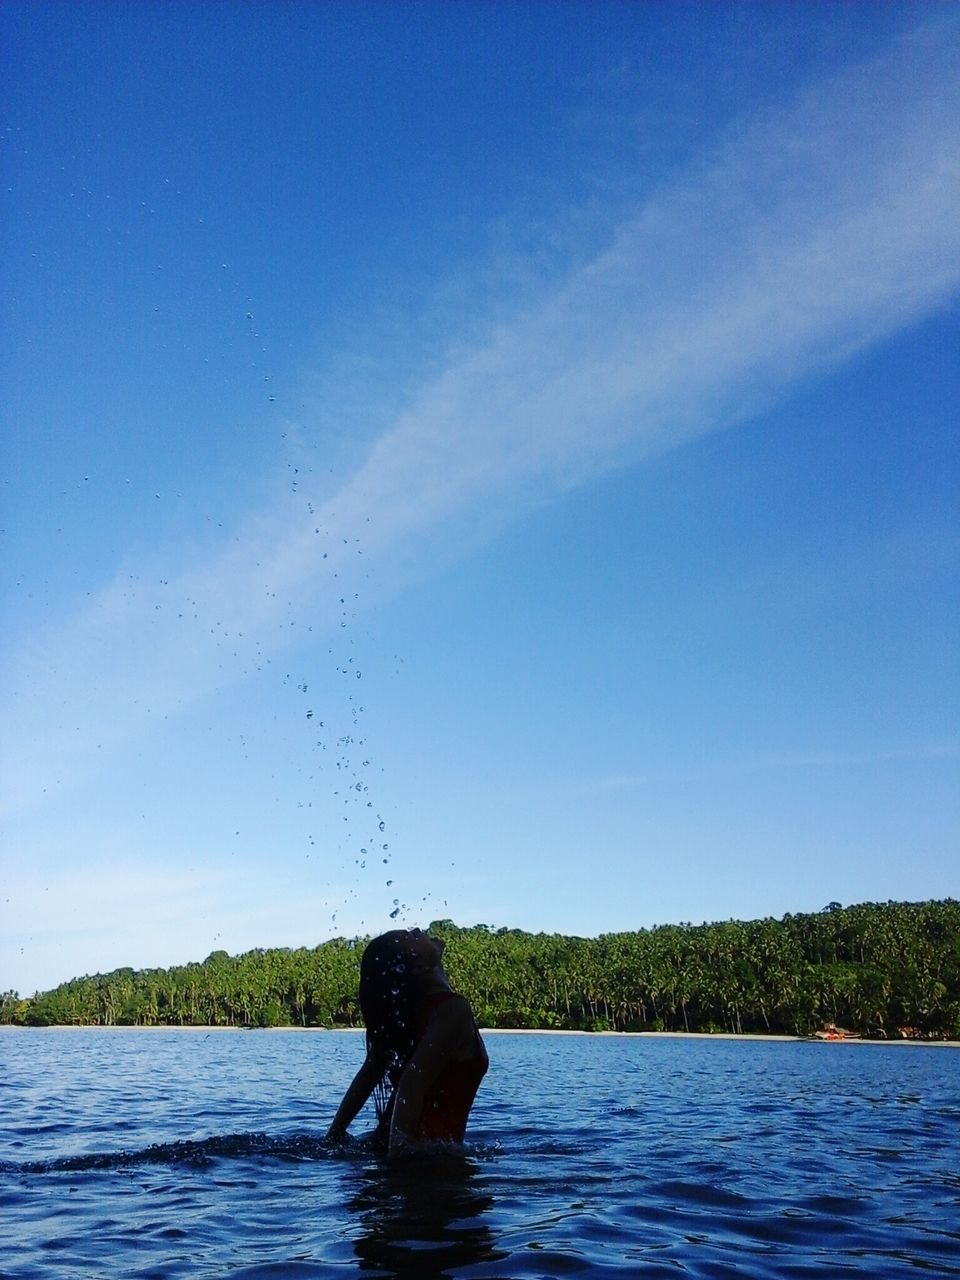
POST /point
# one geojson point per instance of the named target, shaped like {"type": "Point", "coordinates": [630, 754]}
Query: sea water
{"type": "Point", "coordinates": [129, 1153]}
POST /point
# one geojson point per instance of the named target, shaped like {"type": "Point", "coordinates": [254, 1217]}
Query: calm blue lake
{"type": "Point", "coordinates": [198, 1154]}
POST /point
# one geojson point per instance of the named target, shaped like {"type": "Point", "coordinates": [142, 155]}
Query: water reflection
{"type": "Point", "coordinates": [422, 1217]}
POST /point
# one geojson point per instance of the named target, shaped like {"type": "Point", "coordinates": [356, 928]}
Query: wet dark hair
{"type": "Point", "coordinates": [389, 996]}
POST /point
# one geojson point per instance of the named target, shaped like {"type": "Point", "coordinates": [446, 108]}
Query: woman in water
{"type": "Point", "coordinates": [425, 1058]}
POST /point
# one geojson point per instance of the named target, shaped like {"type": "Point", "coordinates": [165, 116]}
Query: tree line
{"type": "Point", "coordinates": [881, 969]}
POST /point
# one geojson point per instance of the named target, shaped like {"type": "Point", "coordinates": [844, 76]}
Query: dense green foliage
{"type": "Point", "coordinates": [881, 969]}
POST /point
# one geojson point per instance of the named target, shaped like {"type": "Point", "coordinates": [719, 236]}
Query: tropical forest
{"type": "Point", "coordinates": [882, 970]}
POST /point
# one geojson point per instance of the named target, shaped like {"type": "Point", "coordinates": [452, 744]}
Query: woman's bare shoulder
{"type": "Point", "coordinates": [452, 1021]}
{"type": "Point", "coordinates": [452, 1007]}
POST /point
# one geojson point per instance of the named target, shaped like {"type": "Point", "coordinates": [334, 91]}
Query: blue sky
{"type": "Point", "coordinates": [486, 461]}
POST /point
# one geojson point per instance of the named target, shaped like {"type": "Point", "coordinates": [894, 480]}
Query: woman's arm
{"type": "Point", "coordinates": [361, 1087]}
{"type": "Point", "coordinates": [448, 1037]}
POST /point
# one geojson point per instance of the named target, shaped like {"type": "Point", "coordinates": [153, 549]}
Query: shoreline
{"type": "Point", "coordinates": [764, 1038]}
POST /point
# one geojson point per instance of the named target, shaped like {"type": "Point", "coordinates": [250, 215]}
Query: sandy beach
{"type": "Point", "coordinates": [505, 1031]}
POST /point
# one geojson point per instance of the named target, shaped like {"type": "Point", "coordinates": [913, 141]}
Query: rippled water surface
{"type": "Point", "coordinates": [165, 1153]}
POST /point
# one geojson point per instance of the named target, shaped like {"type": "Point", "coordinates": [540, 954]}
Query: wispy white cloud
{"type": "Point", "coordinates": [133, 910]}
{"type": "Point", "coordinates": [806, 236]}
{"type": "Point", "coordinates": [746, 764]}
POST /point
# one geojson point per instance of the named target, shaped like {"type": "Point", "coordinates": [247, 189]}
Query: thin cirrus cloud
{"type": "Point", "coordinates": [805, 238]}
{"type": "Point", "coordinates": [767, 763]}
{"type": "Point", "coordinates": [810, 233]}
